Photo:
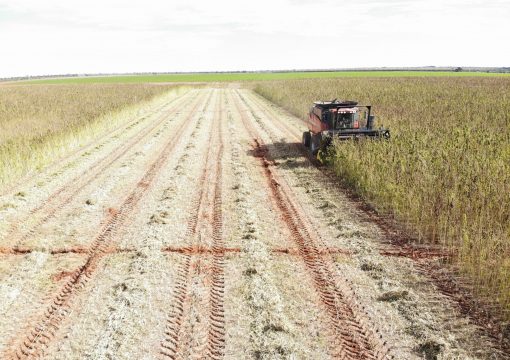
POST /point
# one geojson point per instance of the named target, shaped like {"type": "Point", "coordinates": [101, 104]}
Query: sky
{"type": "Point", "coordinates": [120, 36]}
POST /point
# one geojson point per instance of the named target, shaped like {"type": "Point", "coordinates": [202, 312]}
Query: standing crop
{"type": "Point", "coordinates": [445, 174]}
{"type": "Point", "coordinates": [39, 123]}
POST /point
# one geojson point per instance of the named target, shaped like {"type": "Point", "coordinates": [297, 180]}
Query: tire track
{"type": "Point", "coordinates": [64, 195]}
{"type": "Point", "coordinates": [143, 260]}
{"type": "Point", "coordinates": [25, 278]}
{"type": "Point", "coordinates": [216, 340]}
{"type": "Point", "coordinates": [177, 343]}
{"type": "Point", "coordinates": [352, 335]}
{"type": "Point", "coordinates": [170, 346]}
{"type": "Point", "coordinates": [37, 337]}
{"type": "Point", "coordinates": [272, 331]}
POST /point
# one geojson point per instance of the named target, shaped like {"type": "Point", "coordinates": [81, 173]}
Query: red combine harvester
{"type": "Point", "coordinates": [341, 120]}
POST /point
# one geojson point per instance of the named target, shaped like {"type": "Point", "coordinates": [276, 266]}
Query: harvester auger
{"type": "Point", "coordinates": [341, 120]}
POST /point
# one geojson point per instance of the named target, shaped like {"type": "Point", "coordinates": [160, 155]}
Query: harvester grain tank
{"type": "Point", "coordinates": [342, 120]}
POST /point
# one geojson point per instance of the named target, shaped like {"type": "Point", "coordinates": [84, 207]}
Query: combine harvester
{"type": "Point", "coordinates": [341, 120]}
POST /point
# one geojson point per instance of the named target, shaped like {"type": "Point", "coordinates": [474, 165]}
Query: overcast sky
{"type": "Point", "coordinates": [113, 36]}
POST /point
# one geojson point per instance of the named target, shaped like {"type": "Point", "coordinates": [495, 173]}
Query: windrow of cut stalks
{"type": "Point", "coordinates": [445, 173]}
{"type": "Point", "coordinates": [40, 123]}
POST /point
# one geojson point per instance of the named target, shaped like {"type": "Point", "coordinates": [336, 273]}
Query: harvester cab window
{"type": "Point", "coordinates": [344, 121]}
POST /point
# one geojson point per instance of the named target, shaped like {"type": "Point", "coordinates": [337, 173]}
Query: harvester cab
{"type": "Point", "coordinates": [342, 120]}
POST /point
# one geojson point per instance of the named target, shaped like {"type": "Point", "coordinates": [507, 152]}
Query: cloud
{"type": "Point", "coordinates": [56, 36]}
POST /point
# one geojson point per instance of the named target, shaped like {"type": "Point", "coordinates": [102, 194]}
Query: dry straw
{"type": "Point", "coordinates": [40, 123]}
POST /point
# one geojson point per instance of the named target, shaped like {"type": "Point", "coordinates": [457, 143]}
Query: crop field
{"type": "Point", "coordinates": [230, 77]}
{"type": "Point", "coordinates": [41, 123]}
{"type": "Point", "coordinates": [445, 174]}
{"type": "Point", "coordinates": [143, 221]}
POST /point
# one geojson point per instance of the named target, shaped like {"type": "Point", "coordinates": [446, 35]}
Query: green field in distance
{"type": "Point", "coordinates": [228, 77]}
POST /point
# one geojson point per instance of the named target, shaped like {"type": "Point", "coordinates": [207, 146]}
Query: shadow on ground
{"type": "Point", "coordinates": [290, 154]}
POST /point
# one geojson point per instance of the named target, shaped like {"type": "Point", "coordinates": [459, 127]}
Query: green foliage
{"type": "Point", "coordinates": [228, 77]}
{"type": "Point", "coordinates": [445, 174]}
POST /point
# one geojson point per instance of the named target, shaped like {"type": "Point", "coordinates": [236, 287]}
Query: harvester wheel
{"type": "Point", "coordinates": [306, 139]}
{"type": "Point", "coordinates": [315, 144]}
